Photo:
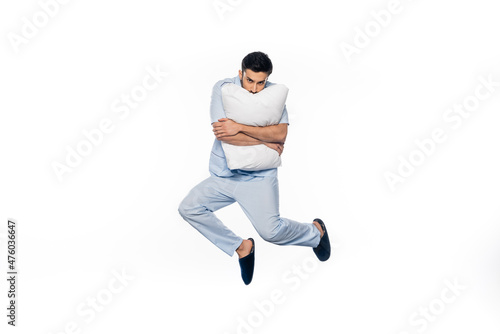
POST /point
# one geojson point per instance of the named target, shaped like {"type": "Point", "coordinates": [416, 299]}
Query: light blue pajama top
{"type": "Point", "coordinates": [218, 165]}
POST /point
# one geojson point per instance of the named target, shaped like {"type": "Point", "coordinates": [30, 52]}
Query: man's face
{"type": "Point", "coordinates": [252, 81]}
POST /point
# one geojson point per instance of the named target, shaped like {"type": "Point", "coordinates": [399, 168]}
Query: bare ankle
{"type": "Point", "coordinates": [318, 226]}
{"type": "Point", "coordinates": [244, 248]}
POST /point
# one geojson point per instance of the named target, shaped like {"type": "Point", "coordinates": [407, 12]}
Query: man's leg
{"type": "Point", "coordinates": [259, 199]}
{"type": "Point", "coordinates": [197, 209]}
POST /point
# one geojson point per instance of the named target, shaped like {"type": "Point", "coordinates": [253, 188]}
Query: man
{"type": "Point", "coordinates": [256, 191]}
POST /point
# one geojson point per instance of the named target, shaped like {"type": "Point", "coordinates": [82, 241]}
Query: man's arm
{"type": "Point", "coordinates": [270, 134]}
{"type": "Point", "coordinates": [241, 139]}
{"type": "Point", "coordinates": [275, 139]}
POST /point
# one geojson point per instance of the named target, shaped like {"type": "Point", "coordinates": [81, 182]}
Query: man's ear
{"type": "Point", "coordinates": [240, 74]}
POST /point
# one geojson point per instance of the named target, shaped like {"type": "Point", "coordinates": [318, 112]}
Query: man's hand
{"type": "Point", "coordinates": [276, 146]}
{"type": "Point", "coordinates": [231, 132]}
{"type": "Point", "coordinates": [225, 127]}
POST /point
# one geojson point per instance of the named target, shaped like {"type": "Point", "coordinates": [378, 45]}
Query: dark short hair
{"type": "Point", "coordinates": [258, 62]}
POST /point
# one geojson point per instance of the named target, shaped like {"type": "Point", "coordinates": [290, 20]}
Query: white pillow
{"type": "Point", "coordinates": [261, 109]}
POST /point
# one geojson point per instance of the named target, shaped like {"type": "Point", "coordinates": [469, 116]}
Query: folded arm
{"type": "Point", "coordinates": [230, 132]}
{"type": "Point", "coordinates": [270, 134]}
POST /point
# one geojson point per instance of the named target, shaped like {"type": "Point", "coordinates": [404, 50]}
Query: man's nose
{"type": "Point", "coordinates": [254, 88]}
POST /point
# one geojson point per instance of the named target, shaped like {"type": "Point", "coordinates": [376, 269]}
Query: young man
{"type": "Point", "coordinates": [257, 191]}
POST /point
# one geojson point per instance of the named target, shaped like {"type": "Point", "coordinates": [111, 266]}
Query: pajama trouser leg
{"type": "Point", "coordinates": [259, 199]}
{"type": "Point", "coordinates": [198, 206]}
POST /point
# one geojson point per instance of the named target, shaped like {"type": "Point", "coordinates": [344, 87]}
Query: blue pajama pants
{"type": "Point", "coordinates": [259, 199]}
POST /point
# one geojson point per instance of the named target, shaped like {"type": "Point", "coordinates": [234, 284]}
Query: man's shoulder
{"type": "Point", "coordinates": [221, 83]}
{"type": "Point", "coordinates": [269, 83]}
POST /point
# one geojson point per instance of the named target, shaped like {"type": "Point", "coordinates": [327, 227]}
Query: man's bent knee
{"type": "Point", "coordinates": [188, 210]}
{"type": "Point", "coordinates": [270, 236]}
{"type": "Point", "coordinates": [274, 234]}
{"type": "Point", "coordinates": [185, 210]}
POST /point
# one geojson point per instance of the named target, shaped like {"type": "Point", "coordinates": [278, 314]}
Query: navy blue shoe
{"type": "Point", "coordinates": [322, 251]}
{"type": "Point", "coordinates": [247, 264]}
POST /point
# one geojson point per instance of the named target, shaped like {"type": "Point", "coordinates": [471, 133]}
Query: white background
{"type": "Point", "coordinates": [394, 251]}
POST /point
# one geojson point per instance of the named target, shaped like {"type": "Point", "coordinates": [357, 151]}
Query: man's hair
{"type": "Point", "coordinates": [258, 62]}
